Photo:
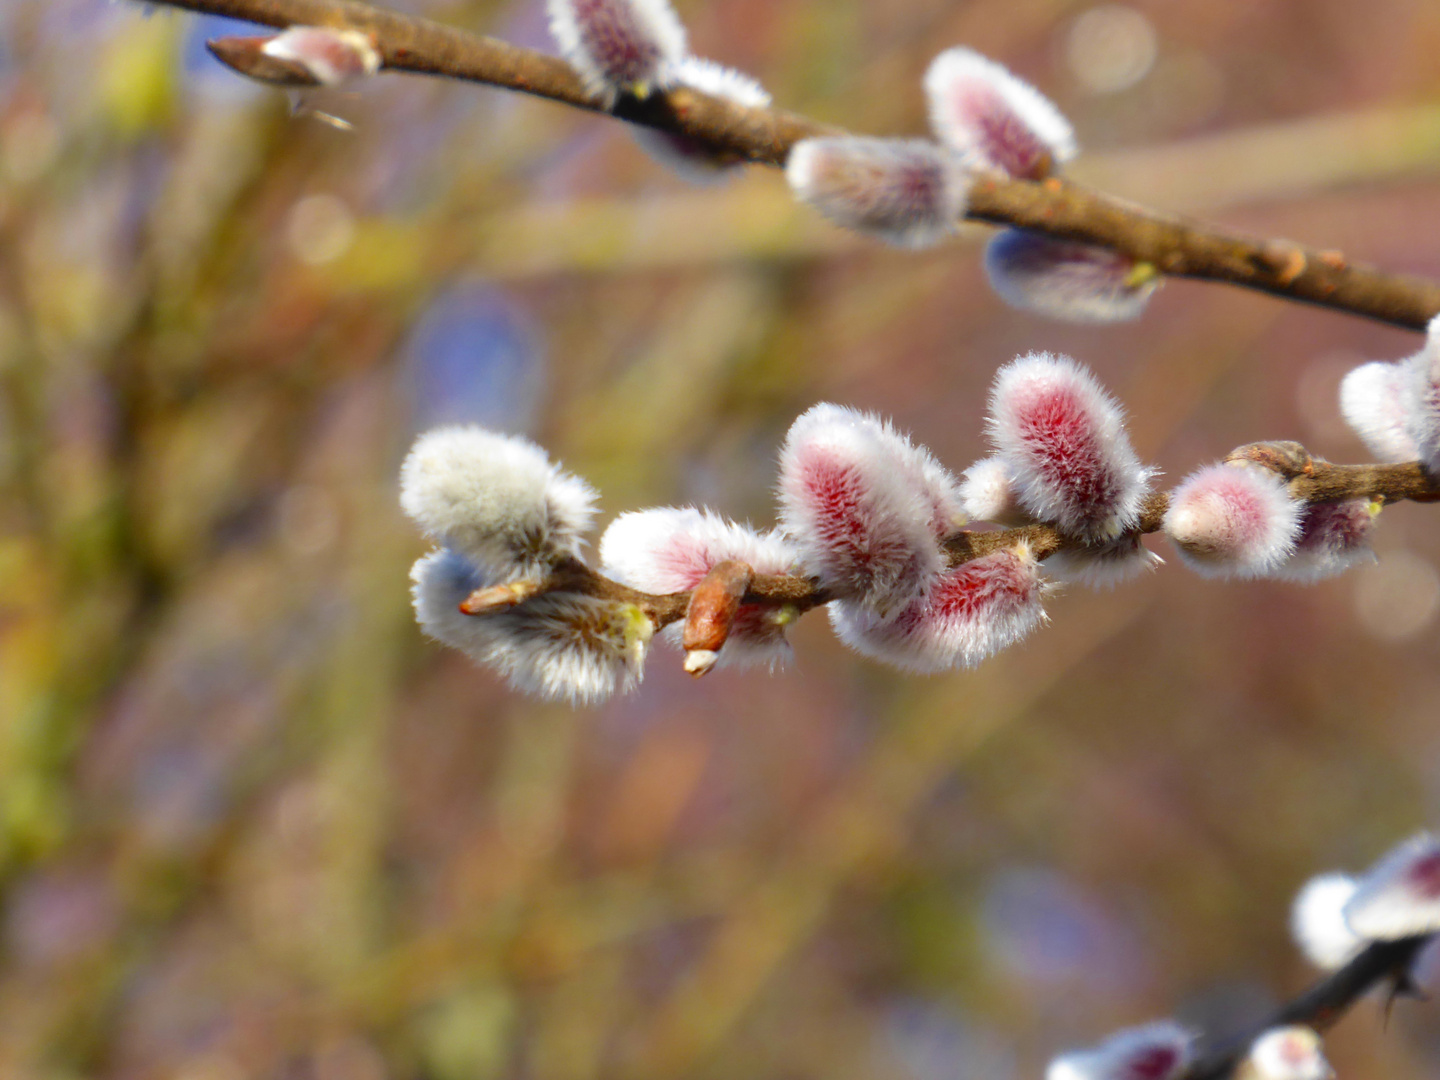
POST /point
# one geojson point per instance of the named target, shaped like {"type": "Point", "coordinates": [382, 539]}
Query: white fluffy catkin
{"type": "Point", "coordinates": [559, 646]}
{"type": "Point", "coordinates": [1374, 401]}
{"type": "Point", "coordinates": [689, 158]}
{"type": "Point", "coordinates": [497, 499]}
{"type": "Point", "coordinates": [865, 508]}
{"type": "Point", "coordinates": [1400, 895]}
{"type": "Point", "coordinates": [1317, 921]}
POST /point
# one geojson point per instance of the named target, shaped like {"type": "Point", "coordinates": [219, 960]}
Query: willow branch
{"type": "Point", "coordinates": [1321, 1007]}
{"type": "Point", "coordinates": [1310, 481]}
{"type": "Point", "coordinates": [1176, 246]}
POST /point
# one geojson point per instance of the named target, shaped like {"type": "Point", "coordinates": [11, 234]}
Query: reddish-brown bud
{"type": "Point", "coordinates": [714, 604]}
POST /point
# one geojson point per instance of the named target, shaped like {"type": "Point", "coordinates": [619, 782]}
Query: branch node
{"type": "Point", "coordinates": [1285, 457]}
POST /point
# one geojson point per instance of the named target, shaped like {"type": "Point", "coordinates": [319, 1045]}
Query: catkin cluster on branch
{"type": "Point", "coordinates": [870, 525]}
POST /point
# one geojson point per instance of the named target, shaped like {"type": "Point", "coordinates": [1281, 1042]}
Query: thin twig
{"type": "Point", "coordinates": [1318, 482]}
{"type": "Point", "coordinates": [1175, 245]}
{"type": "Point", "coordinates": [1322, 1005]}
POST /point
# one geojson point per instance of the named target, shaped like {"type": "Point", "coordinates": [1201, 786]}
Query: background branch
{"type": "Point", "coordinates": [1175, 245]}
{"type": "Point", "coordinates": [1322, 1005]}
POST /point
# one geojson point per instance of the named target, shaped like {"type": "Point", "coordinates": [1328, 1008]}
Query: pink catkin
{"type": "Point", "coordinates": [979, 108]}
{"type": "Point", "coordinates": [617, 39]}
{"type": "Point", "coordinates": [1333, 538]}
{"type": "Point", "coordinates": [1155, 1051]}
{"type": "Point", "coordinates": [1064, 441]}
{"type": "Point", "coordinates": [619, 46]}
{"type": "Point", "coordinates": [845, 525]}
{"type": "Point", "coordinates": [866, 508]}
{"type": "Point", "coordinates": [972, 611]}
{"type": "Point", "coordinates": [1153, 1063]}
{"type": "Point", "coordinates": [1233, 521]}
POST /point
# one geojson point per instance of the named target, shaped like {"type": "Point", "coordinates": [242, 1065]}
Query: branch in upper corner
{"type": "Point", "coordinates": [1055, 207]}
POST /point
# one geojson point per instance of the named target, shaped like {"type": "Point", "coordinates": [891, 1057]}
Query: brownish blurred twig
{"type": "Point", "coordinates": [1174, 245]}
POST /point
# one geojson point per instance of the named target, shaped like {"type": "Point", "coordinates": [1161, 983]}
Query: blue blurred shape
{"type": "Point", "coordinates": [474, 357]}
{"type": "Point", "coordinates": [1041, 928]}
{"type": "Point", "coordinates": [935, 1043]}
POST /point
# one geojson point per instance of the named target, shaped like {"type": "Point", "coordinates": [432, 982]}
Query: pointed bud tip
{"type": "Point", "coordinates": [247, 56]}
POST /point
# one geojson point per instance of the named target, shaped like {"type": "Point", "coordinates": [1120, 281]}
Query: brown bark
{"type": "Point", "coordinates": [1174, 245]}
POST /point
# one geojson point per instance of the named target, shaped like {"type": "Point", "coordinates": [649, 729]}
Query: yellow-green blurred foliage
{"type": "Point", "coordinates": [252, 825]}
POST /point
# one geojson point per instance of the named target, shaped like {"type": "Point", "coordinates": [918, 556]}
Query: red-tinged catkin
{"type": "Point", "coordinates": [332, 57]}
{"type": "Point", "coordinates": [1063, 439]}
{"type": "Point", "coordinates": [866, 508]}
{"type": "Point", "coordinates": [972, 612]}
{"type": "Point", "coordinates": [906, 192]}
{"type": "Point", "coordinates": [1157, 1051]}
{"type": "Point", "coordinates": [1333, 538]}
{"type": "Point", "coordinates": [619, 46]}
{"type": "Point", "coordinates": [1399, 896]}
{"type": "Point", "coordinates": [1233, 521]}
{"type": "Point", "coordinates": [1067, 280]}
{"type": "Point", "coordinates": [982, 111]}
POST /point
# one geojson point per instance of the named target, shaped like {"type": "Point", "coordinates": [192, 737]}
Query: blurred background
{"type": "Point", "coordinates": [253, 825]}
